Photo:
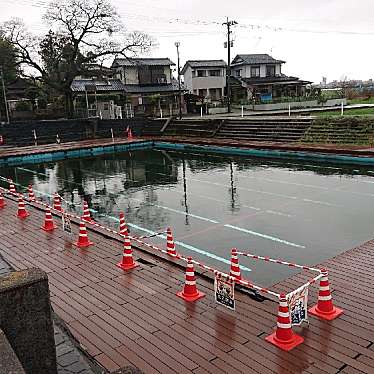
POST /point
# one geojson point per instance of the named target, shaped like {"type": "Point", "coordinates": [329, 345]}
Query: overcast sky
{"type": "Point", "coordinates": [337, 38]}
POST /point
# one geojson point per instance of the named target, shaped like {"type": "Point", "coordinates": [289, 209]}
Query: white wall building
{"type": "Point", "coordinates": [205, 78]}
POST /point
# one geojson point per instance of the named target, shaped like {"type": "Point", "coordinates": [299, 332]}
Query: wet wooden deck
{"type": "Point", "coordinates": [135, 318]}
{"type": "Point", "coordinates": [355, 150]}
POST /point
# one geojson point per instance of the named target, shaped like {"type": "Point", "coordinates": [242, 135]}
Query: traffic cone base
{"type": "Point", "coordinates": [124, 266]}
{"type": "Point", "coordinates": [22, 215]}
{"type": "Point", "coordinates": [285, 345]}
{"type": "Point", "coordinates": [83, 245]}
{"type": "Point", "coordinates": [2, 202]}
{"type": "Point", "coordinates": [328, 316]}
{"type": "Point", "coordinates": [49, 228]}
{"type": "Point", "coordinates": [194, 297]}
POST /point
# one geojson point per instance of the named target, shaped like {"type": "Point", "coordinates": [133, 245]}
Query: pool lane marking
{"type": "Point", "coordinates": [273, 238]}
{"type": "Point", "coordinates": [178, 211]}
{"type": "Point", "coordinates": [182, 244]}
{"type": "Point", "coordinates": [198, 217]}
{"type": "Point", "coordinates": [266, 193]}
{"type": "Point", "coordinates": [242, 205]}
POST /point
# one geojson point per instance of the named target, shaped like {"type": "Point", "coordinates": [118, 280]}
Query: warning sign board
{"type": "Point", "coordinates": [66, 224]}
{"type": "Point", "coordinates": [224, 292]}
{"type": "Point", "coordinates": [298, 306]}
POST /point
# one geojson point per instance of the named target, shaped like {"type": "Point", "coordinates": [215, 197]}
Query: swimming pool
{"type": "Point", "coordinates": [302, 212]}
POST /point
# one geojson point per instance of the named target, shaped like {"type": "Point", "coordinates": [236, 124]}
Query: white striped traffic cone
{"type": "Point", "coordinates": [57, 202]}
{"type": "Point", "coordinates": [122, 225]}
{"type": "Point", "coordinates": [283, 337]}
{"type": "Point", "coordinates": [127, 261]}
{"type": "Point", "coordinates": [235, 269]}
{"type": "Point", "coordinates": [170, 245]}
{"type": "Point", "coordinates": [31, 193]}
{"type": "Point", "coordinates": [22, 212]}
{"type": "Point", "coordinates": [325, 308]}
{"type": "Point", "coordinates": [86, 212]}
{"type": "Point", "coordinates": [190, 291]}
{"type": "Point", "coordinates": [48, 221]}
{"type": "Point", "coordinates": [83, 240]}
{"type": "Point", "coordinates": [12, 188]}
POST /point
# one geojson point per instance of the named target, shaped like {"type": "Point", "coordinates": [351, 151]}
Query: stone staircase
{"type": "Point", "coordinates": [281, 129]}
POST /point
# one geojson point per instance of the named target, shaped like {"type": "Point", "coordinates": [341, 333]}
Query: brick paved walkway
{"type": "Point", "coordinates": [135, 318]}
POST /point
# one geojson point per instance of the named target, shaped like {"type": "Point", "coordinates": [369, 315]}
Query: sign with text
{"type": "Point", "coordinates": [298, 306]}
{"type": "Point", "coordinates": [66, 224]}
{"type": "Point", "coordinates": [224, 292]}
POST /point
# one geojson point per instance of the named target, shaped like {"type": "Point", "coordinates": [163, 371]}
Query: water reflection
{"type": "Point", "coordinates": [325, 208]}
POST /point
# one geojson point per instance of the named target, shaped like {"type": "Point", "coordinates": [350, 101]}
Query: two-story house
{"type": "Point", "coordinates": [149, 84]}
{"type": "Point", "coordinates": [206, 78]}
{"type": "Point", "coordinates": [259, 77]}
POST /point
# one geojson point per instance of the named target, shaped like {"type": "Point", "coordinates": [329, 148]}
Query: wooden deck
{"type": "Point", "coordinates": [135, 318]}
{"type": "Point", "coordinates": [355, 150]}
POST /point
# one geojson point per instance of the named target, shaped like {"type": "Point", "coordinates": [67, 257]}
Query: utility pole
{"type": "Point", "coordinates": [4, 93]}
{"type": "Point", "coordinates": [177, 44]}
{"type": "Point", "coordinates": [228, 24]}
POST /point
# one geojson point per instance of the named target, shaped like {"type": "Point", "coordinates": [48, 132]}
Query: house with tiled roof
{"type": "Point", "coordinates": [206, 78]}
{"type": "Point", "coordinates": [259, 77]}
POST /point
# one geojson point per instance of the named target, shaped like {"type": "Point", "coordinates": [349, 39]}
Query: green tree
{"type": "Point", "coordinates": [82, 32]}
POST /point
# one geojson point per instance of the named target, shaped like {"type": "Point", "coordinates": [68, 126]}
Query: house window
{"type": "Point", "coordinates": [270, 70]}
{"type": "Point", "coordinates": [255, 71]}
{"type": "Point", "coordinates": [201, 73]}
{"type": "Point", "coordinates": [193, 73]}
{"type": "Point", "coordinates": [238, 73]}
{"type": "Point", "coordinates": [214, 73]}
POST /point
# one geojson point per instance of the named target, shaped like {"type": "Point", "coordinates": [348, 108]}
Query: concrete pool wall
{"type": "Point", "coordinates": [55, 155]}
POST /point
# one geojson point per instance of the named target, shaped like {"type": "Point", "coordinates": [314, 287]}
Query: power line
{"type": "Point", "coordinates": [41, 4]}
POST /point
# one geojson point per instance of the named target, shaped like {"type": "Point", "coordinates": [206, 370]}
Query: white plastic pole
{"type": "Point", "coordinates": [242, 111]}
{"type": "Point", "coordinates": [35, 137]}
{"type": "Point", "coordinates": [201, 111]}
{"type": "Point", "coordinates": [342, 109]}
{"type": "Point", "coordinates": [111, 131]}
{"type": "Point", "coordinates": [161, 112]}
{"type": "Point", "coordinates": [289, 110]}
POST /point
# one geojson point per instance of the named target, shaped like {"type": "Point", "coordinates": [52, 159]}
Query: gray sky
{"type": "Point", "coordinates": [197, 25]}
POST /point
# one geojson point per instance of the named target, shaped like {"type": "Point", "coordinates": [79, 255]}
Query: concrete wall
{"type": "Point", "coordinates": [296, 104]}
{"type": "Point", "coordinates": [25, 318]}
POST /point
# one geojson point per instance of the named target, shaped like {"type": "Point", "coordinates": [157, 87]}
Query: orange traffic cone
{"type": "Point", "coordinates": [284, 338]}
{"type": "Point", "coordinates": [86, 212]}
{"type": "Point", "coordinates": [31, 193]}
{"type": "Point", "coordinates": [235, 269]}
{"type": "Point", "coordinates": [325, 308]}
{"type": "Point", "coordinates": [83, 237]}
{"type": "Point", "coordinates": [48, 221]}
{"type": "Point", "coordinates": [22, 213]}
{"type": "Point", "coordinates": [127, 262]}
{"type": "Point", "coordinates": [190, 292]}
{"type": "Point", "coordinates": [122, 225]}
{"type": "Point", "coordinates": [2, 201]}
{"type": "Point", "coordinates": [170, 246]}
{"type": "Point", "coordinates": [12, 189]}
{"type": "Point", "coordinates": [57, 202]}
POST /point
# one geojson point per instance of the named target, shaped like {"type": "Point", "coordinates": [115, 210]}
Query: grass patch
{"type": "Point", "coordinates": [347, 112]}
{"type": "Point", "coordinates": [368, 100]}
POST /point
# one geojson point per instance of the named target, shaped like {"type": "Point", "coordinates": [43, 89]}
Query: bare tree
{"type": "Point", "coordinates": [82, 32]}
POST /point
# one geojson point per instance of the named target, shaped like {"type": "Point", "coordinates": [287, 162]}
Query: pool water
{"type": "Point", "coordinates": [300, 212]}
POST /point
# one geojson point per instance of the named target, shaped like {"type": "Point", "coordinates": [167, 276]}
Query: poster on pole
{"type": "Point", "coordinates": [66, 224]}
{"type": "Point", "coordinates": [298, 306]}
{"type": "Point", "coordinates": [224, 292]}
